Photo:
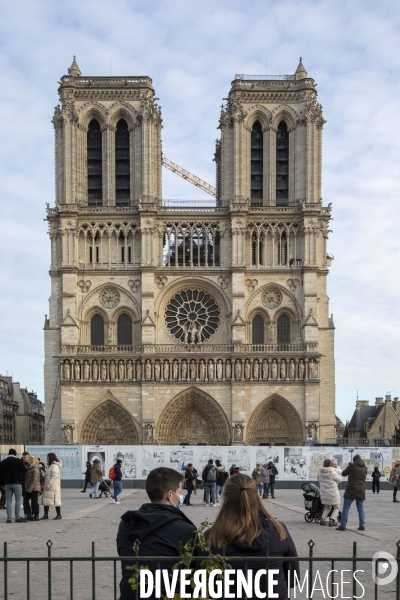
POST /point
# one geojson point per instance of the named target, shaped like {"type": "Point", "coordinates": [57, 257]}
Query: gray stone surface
{"type": "Point", "coordinates": [86, 520]}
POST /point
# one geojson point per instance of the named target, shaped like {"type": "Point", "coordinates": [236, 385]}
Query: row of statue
{"type": "Point", "coordinates": [192, 370]}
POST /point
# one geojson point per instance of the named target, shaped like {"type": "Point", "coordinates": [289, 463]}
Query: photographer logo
{"type": "Point", "coordinates": [384, 568]}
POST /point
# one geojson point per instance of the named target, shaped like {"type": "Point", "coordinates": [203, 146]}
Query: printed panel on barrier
{"type": "Point", "coordinates": [70, 456]}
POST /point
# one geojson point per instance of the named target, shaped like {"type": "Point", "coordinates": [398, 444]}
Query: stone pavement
{"type": "Point", "coordinates": [86, 520]}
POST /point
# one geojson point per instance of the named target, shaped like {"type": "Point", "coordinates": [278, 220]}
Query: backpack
{"type": "Point", "coordinates": [212, 474]}
{"type": "Point", "coordinates": [111, 473]}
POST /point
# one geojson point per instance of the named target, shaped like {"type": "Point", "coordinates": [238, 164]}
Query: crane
{"type": "Point", "coordinates": [193, 179]}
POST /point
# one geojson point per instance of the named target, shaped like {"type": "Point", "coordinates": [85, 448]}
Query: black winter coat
{"type": "Point", "coordinates": [12, 470]}
{"type": "Point", "coordinates": [159, 529]}
{"type": "Point", "coordinates": [189, 477]}
{"type": "Point", "coordinates": [357, 473]}
{"type": "Point", "coordinates": [273, 472]}
{"type": "Point", "coordinates": [277, 549]}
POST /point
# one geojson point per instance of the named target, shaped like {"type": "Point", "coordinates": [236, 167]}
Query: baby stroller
{"type": "Point", "coordinates": [313, 504]}
{"type": "Point", "coordinates": [104, 488]}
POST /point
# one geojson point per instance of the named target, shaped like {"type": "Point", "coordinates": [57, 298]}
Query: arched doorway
{"type": "Point", "coordinates": [109, 423]}
{"type": "Point", "coordinates": [193, 417]}
{"type": "Point", "coordinates": [275, 421]}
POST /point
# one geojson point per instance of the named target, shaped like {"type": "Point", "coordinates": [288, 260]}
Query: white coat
{"type": "Point", "coordinates": [52, 486]}
{"type": "Point", "coordinates": [328, 485]}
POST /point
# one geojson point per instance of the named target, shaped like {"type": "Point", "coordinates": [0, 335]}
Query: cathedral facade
{"type": "Point", "coordinates": [188, 323]}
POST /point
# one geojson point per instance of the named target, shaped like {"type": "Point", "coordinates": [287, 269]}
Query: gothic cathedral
{"type": "Point", "coordinates": [189, 322]}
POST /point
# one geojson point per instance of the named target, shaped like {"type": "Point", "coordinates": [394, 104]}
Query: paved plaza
{"type": "Point", "coordinates": [85, 520]}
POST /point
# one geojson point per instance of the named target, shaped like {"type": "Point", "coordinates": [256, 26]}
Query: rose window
{"type": "Point", "coordinates": [192, 316]}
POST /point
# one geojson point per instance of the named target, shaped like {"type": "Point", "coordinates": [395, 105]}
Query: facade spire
{"type": "Point", "coordinates": [301, 73]}
{"type": "Point", "coordinates": [74, 69]}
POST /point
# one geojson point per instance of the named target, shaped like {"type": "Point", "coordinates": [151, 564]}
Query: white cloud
{"type": "Point", "coordinates": [192, 51]}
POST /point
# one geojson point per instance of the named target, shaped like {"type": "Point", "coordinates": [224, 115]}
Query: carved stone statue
{"type": "Point", "coordinates": [157, 370]}
{"type": "Point", "coordinates": [121, 371]}
{"type": "Point", "coordinates": [247, 370]}
{"type": "Point", "coordinates": [77, 370]}
{"type": "Point", "coordinates": [103, 373]}
{"type": "Point", "coordinates": [138, 371]}
{"type": "Point", "coordinates": [219, 370]}
{"type": "Point", "coordinates": [202, 370]}
{"type": "Point", "coordinates": [112, 371]}
{"type": "Point", "coordinates": [129, 370]}
{"type": "Point", "coordinates": [274, 370]}
{"type": "Point", "coordinates": [256, 370]}
{"type": "Point", "coordinates": [148, 433]}
{"type": "Point", "coordinates": [194, 332]}
{"type": "Point", "coordinates": [95, 370]}
{"type": "Point", "coordinates": [166, 370]}
{"type": "Point", "coordinates": [86, 370]}
{"type": "Point", "coordinates": [283, 370]}
{"type": "Point", "coordinates": [228, 370]}
{"type": "Point", "coordinates": [301, 370]}
{"type": "Point", "coordinates": [147, 370]}
{"type": "Point", "coordinates": [238, 432]}
{"type": "Point", "coordinates": [311, 369]}
{"type": "Point", "coordinates": [238, 370]}
{"type": "Point", "coordinates": [68, 434]}
{"type": "Point", "coordinates": [184, 370]}
{"type": "Point", "coordinates": [211, 370]}
{"type": "Point", "coordinates": [175, 370]}
{"type": "Point", "coordinates": [67, 371]}
{"type": "Point", "coordinates": [193, 370]}
{"type": "Point", "coordinates": [186, 334]}
{"type": "Point", "coordinates": [291, 370]}
{"type": "Point", "coordinates": [265, 370]}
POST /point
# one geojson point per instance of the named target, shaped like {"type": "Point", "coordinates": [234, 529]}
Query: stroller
{"type": "Point", "coordinates": [313, 504]}
{"type": "Point", "coordinates": [104, 488]}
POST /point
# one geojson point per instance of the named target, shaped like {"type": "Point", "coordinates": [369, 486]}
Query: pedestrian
{"type": "Point", "coordinates": [51, 495]}
{"type": "Point", "coordinates": [209, 477]}
{"type": "Point", "coordinates": [117, 481]}
{"type": "Point", "coordinates": [11, 471]}
{"type": "Point", "coordinates": [336, 466]}
{"type": "Point", "coordinates": [273, 472]}
{"type": "Point", "coordinates": [232, 470]}
{"type": "Point", "coordinates": [25, 502]}
{"type": "Point", "coordinates": [96, 476]}
{"type": "Point", "coordinates": [256, 475]}
{"type": "Point", "coordinates": [33, 487]}
{"type": "Point", "coordinates": [190, 478]}
{"type": "Point", "coordinates": [222, 476]}
{"type": "Point", "coordinates": [329, 491]}
{"type": "Point", "coordinates": [394, 478]}
{"type": "Point", "coordinates": [376, 475]}
{"type": "Point", "coordinates": [87, 475]}
{"type": "Point", "coordinates": [2, 497]}
{"type": "Point", "coordinates": [244, 528]}
{"type": "Point", "coordinates": [159, 525]}
{"type": "Point", "coordinates": [265, 480]}
{"type": "Point", "coordinates": [236, 470]}
{"type": "Point", "coordinates": [355, 490]}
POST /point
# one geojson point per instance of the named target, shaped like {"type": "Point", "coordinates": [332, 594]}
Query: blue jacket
{"type": "Point", "coordinates": [118, 472]}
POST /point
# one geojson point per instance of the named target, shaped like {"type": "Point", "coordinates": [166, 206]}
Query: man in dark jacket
{"type": "Point", "coordinates": [159, 527]}
{"type": "Point", "coordinates": [87, 474]}
{"type": "Point", "coordinates": [11, 471]}
{"type": "Point", "coordinates": [355, 490]}
{"type": "Point", "coordinates": [117, 481]}
{"type": "Point", "coordinates": [209, 476]}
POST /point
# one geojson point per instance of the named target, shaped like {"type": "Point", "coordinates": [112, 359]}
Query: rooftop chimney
{"type": "Point", "coordinates": [378, 401]}
{"type": "Point", "coordinates": [388, 398]}
{"type": "Point", "coordinates": [362, 403]}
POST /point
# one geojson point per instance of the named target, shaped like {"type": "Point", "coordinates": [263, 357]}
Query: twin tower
{"type": "Point", "coordinates": [194, 322]}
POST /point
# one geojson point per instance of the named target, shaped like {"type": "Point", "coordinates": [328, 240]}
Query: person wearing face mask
{"type": "Point", "coordinates": [159, 525]}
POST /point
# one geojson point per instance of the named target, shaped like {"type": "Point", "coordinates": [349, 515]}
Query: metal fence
{"type": "Point", "coordinates": [16, 574]}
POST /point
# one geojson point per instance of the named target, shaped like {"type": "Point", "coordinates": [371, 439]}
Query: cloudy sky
{"type": "Point", "coordinates": [192, 51]}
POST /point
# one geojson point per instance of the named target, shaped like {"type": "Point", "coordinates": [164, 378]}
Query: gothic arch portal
{"type": "Point", "coordinates": [109, 423]}
{"type": "Point", "coordinates": [193, 417]}
{"type": "Point", "coordinates": [275, 421]}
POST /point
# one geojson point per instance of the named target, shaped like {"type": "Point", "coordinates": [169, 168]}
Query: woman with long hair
{"type": "Point", "coordinates": [52, 487]}
{"type": "Point", "coordinates": [246, 527]}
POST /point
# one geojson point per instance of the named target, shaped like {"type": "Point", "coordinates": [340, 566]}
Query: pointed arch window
{"type": "Point", "coordinates": [257, 249]}
{"type": "Point", "coordinates": [122, 164]}
{"type": "Point", "coordinates": [97, 331]}
{"type": "Point", "coordinates": [256, 168]}
{"type": "Point", "coordinates": [124, 328]}
{"type": "Point", "coordinates": [282, 249]}
{"type": "Point", "coordinates": [258, 330]}
{"type": "Point", "coordinates": [282, 165]}
{"type": "Point", "coordinates": [283, 330]}
{"type": "Point", "coordinates": [94, 164]}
